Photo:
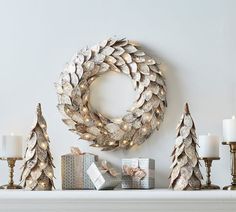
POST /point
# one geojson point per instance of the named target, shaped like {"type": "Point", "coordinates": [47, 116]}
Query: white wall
{"type": "Point", "coordinates": [195, 39]}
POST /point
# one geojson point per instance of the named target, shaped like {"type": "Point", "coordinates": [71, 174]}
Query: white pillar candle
{"type": "Point", "coordinates": [208, 146]}
{"type": "Point", "coordinates": [229, 129]}
{"type": "Point", "coordinates": [11, 146]}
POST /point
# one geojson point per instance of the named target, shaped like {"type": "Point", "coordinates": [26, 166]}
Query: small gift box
{"type": "Point", "coordinates": [103, 176]}
{"type": "Point", "coordinates": [138, 173]}
{"type": "Point", "coordinates": [73, 170]}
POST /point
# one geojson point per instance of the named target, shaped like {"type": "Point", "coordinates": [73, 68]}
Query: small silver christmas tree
{"type": "Point", "coordinates": [37, 171]}
{"type": "Point", "coordinates": [185, 171]}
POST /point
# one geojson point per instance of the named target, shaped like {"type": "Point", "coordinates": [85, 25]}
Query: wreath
{"type": "Point", "coordinates": [142, 118]}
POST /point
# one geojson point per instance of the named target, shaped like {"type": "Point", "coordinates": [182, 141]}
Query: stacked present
{"type": "Point", "coordinates": [138, 173]}
{"type": "Point", "coordinates": [103, 175]}
{"type": "Point", "coordinates": [74, 167]}
{"type": "Point", "coordinates": [83, 171]}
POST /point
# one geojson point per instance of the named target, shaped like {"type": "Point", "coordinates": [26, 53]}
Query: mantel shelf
{"type": "Point", "coordinates": [125, 195]}
{"type": "Point", "coordinates": [118, 200]}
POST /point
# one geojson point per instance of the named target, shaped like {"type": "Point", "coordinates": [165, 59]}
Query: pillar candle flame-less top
{"type": "Point", "coordinates": [229, 129]}
{"type": "Point", "coordinates": [11, 146]}
{"type": "Point", "coordinates": [208, 146]}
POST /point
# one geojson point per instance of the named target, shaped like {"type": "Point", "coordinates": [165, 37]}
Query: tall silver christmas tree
{"type": "Point", "coordinates": [38, 167]}
{"type": "Point", "coordinates": [185, 171]}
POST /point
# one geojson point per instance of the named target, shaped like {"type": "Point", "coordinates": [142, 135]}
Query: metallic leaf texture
{"type": "Point", "coordinates": [38, 167]}
{"type": "Point", "coordinates": [185, 171]}
{"type": "Point", "coordinates": [147, 112]}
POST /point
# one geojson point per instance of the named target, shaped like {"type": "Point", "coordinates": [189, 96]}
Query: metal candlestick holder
{"type": "Point", "coordinates": [208, 164]}
{"type": "Point", "coordinates": [232, 146]}
{"type": "Point", "coordinates": [11, 164]}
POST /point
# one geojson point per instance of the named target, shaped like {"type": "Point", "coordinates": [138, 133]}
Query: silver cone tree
{"type": "Point", "coordinates": [185, 171]}
{"type": "Point", "coordinates": [38, 167]}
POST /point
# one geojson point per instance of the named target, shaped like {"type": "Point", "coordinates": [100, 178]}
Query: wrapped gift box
{"type": "Point", "coordinates": [138, 173]}
{"type": "Point", "coordinates": [104, 177]}
{"type": "Point", "coordinates": [73, 170]}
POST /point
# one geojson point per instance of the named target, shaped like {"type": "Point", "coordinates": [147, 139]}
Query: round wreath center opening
{"type": "Point", "coordinates": [112, 94]}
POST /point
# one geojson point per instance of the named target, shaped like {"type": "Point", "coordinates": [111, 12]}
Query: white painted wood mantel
{"type": "Point", "coordinates": [118, 200]}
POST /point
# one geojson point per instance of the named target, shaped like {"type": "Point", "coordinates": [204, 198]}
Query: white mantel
{"type": "Point", "coordinates": [119, 200]}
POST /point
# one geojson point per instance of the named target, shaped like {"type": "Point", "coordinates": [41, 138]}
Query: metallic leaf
{"type": "Point", "coordinates": [107, 50]}
{"type": "Point", "coordinates": [130, 49]}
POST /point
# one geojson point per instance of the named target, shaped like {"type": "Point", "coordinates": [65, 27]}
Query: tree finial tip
{"type": "Point", "coordinates": [186, 108]}
{"type": "Point", "coordinates": [39, 108]}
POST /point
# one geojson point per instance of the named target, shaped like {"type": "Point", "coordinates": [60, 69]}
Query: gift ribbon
{"type": "Point", "coordinates": [76, 151]}
{"type": "Point", "coordinates": [80, 180]}
{"type": "Point", "coordinates": [134, 172]}
{"type": "Point", "coordinates": [107, 168]}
